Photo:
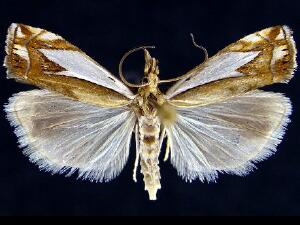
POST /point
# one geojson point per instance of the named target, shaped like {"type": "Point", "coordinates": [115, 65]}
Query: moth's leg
{"type": "Point", "coordinates": [162, 137]}
{"type": "Point", "coordinates": [167, 149]}
{"type": "Point", "coordinates": [137, 156]}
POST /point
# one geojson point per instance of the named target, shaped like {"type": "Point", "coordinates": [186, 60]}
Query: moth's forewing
{"type": "Point", "coordinates": [46, 60]}
{"type": "Point", "coordinates": [274, 62]}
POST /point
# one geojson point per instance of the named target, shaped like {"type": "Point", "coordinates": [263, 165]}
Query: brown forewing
{"type": "Point", "coordinates": [275, 64]}
{"type": "Point", "coordinates": [36, 69]}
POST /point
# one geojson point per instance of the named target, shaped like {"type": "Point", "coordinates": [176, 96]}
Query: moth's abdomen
{"type": "Point", "coordinates": [149, 128]}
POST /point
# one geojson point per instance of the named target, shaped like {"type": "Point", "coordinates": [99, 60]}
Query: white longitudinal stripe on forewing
{"type": "Point", "coordinates": [48, 36]}
{"type": "Point", "coordinates": [219, 67]}
{"type": "Point", "coordinates": [228, 136]}
{"type": "Point", "coordinates": [62, 135]}
{"type": "Point", "coordinates": [21, 51]}
{"type": "Point", "coordinates": [80, 66]}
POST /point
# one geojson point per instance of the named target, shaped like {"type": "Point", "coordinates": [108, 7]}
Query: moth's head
{"type": "Point", "coordinates": [151, 70]}
{"type": "Point", "coordinates": [151, 64]}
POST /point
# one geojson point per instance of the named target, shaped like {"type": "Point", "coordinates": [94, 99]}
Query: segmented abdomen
{"type": "Point", "coordinates": [149, 128]}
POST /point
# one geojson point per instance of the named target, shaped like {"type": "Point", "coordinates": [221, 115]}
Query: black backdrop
{"type": "Point", "coordinates": [105, 30]}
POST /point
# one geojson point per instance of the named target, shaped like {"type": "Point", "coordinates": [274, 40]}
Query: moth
{"type": "Point", "coordinates": [214, 118]}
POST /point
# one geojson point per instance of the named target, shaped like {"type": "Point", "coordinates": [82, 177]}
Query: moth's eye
{"type": "Point", "coordinates": [145, 80]}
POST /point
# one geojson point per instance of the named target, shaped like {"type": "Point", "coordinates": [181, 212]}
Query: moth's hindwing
{"type": "Point", "coordinates": [259, 59]}
{"type": "Point", "coordinates": [61, 135]}
{"type": "Point", "coordinates": [46, 60]}
{"type": "Point", "coordinates": [228, 136]}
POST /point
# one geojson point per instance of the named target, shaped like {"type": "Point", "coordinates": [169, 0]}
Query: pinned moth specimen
{"type": "Point", "coordinates": [214, 119]}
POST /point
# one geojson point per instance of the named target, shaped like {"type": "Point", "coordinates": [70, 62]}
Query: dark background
{"type": "Point", "coordinates": [105, 30]}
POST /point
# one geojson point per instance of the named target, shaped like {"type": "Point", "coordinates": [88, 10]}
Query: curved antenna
{"type": "Point", "coordinates": [121, 66]}
{"type": "Point", "coordinates": [187, 75]}
{"type": "Point", "coordinates": [199, 46]}
{"type": "Point", "coordinates": [174, 79]}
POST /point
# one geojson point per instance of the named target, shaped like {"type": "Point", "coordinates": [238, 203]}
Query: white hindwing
{"type": "Point", "coordinates": [62, 135]}
{"type": "Point", "coordinates": [228, 136]}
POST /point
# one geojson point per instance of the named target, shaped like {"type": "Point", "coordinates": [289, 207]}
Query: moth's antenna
{"type": "Point", "coordinates": [199, 46]}
{"type": "Point", "coordinates": [185, 76]}
{"type": "Point", "coordinates": [121, 66]}
{"type": "Point", "coordinates": [174, 79]}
